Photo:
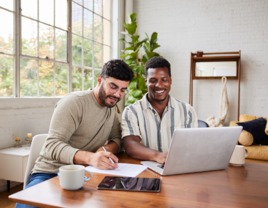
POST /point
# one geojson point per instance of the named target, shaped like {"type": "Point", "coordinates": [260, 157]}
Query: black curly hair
{"type": "Point", "coordinates": [117, 69]}
{"type": "Point", "coordinates": [157, 62]}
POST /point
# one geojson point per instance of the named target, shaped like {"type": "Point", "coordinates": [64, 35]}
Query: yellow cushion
{"type": "Point", "coordinates": [266, 128]}
{"type": "Point", "coordinates": [244, 118]}
{"type": "Point", "coordinates": [233, 123]}
{"type": "Point", "coordinates": [257, 152]}
{"type": "Point", "coordinates": [245, 138]}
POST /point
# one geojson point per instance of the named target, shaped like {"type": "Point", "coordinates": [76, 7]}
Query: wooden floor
{"type": "Point", "coordinates": [6, 203]}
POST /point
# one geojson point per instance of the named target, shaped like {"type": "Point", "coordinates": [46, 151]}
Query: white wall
{"type": "Point", "coordinates": [19, 116]}
{"type": "Point", "coordinates": [212, 26]}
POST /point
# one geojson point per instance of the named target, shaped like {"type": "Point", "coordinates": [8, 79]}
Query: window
{"type": "Point", "coordinates": [90, 41]}
{"type": "Point", "coordinates": [60, 47]}
{"type": "Point", "coordinates": [7, 53]}
{"type": "Point", "coordinates": [43, 58]}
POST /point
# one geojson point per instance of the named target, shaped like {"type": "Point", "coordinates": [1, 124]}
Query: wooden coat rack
{"type": "Point", "coordinates": [215, 57]}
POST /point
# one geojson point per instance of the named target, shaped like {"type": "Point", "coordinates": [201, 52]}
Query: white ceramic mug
{"type": "Point", "coordinates": [72, 177]}
{"type": "Point", "coordinates": [239, 155]}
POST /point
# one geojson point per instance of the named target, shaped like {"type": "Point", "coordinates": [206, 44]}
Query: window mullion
{"type": "Point", "coordinates": [38, 49]}
{"type": "Point", "coordinates": [43, 23]}
{"type": "Point", "coordinates": [54, 51]}
{"type": "Point", "coordinates": [93, 43]}
{"type": "Point", "coordinates": [102, 37]}
{"type": "Point", "coordinates": [17, 23]}
{"type": "Point", "coordinates": [83, 48]}
{"type": "Point", "coordinates": [102, 47]}
{"type": "Point", "coordinates": [70, 45]}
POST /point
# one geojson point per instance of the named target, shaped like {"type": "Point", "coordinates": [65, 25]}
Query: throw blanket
{"type": "Point", "coordinates": [224, 105]}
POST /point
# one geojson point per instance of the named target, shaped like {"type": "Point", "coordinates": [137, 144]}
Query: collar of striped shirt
{"type": "Point", "coordinates": [147, 105]}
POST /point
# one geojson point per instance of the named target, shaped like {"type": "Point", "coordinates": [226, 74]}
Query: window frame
{"type": "Point", "coordinates": [17, 49]}
{"type": "Point", "coordinates": [14, 55]}
{"type": "Point", "coordinates": [82, 66]}
{"type": "Point", "coordinates": [38, 58]}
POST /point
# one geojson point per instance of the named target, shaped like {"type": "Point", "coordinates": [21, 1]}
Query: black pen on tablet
{"type": "Point", "coordinates": [109, 157]}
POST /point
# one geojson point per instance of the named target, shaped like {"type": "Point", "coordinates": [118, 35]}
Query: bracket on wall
{"type": "Point", "coordinates": [215, 66]}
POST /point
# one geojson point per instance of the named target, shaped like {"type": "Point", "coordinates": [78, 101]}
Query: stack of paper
{"type": "Point", "coordinates": [124, 169]}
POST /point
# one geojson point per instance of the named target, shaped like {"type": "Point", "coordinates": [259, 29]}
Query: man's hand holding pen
{"type": "Point", "coordinates": [102, 160]}
{"type": "Point", "coordinates": [99, 159]}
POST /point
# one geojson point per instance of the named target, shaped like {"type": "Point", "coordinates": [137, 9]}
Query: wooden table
{"type": "Point", "coordinates": [245, 186]}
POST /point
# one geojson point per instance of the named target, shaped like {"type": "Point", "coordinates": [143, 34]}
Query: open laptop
{"type": "Point", "coordinates": [197, 150]}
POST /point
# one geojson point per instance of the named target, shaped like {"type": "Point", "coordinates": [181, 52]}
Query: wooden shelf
{"type": "Point", "coordinates": [219, 58]}
{"type": "Point", "coordinates": [216, 57]}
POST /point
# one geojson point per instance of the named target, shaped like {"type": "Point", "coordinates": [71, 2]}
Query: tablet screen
{"type": "Point", "coordinates": [130, 184]}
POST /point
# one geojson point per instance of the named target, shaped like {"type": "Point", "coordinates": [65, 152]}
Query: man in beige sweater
{"type": "Point", "coordinates": [81, 124]}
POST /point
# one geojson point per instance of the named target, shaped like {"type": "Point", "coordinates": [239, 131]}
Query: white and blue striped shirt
{"type": "Point", "coordinates": [141, 119]}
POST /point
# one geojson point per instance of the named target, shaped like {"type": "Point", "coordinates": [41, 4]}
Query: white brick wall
{"type": "Point", "coordinates": [19, 116]}
{"type": "Point", "coordinates": [212, 26]}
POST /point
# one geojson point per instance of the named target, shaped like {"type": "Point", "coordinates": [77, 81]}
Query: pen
{"type": "Point", "coordinates": [109, 157]}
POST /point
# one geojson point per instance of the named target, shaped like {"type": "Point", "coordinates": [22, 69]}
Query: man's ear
{"type": "Point", "coordinates": [99, 79]}
{"type": "Point", "coordinates": [170, 80]}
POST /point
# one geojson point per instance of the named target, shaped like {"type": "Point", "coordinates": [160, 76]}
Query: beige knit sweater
{"type": "Point", "coordinates": [78, 123]}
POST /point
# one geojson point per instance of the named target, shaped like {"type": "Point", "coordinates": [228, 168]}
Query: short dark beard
{"type": "Point", "coordinates": [159, 100]}
{"type": "Point", "coordinates": [103, 96]}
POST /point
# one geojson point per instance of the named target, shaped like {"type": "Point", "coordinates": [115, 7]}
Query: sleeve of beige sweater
{"type": "Point", "coordinates": [116, 132]}
{"type": "Point", "coordinates": [64, 122]}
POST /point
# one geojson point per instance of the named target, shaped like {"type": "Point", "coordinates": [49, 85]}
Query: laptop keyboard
{"type": "Point", "coordinates": [161, 166]}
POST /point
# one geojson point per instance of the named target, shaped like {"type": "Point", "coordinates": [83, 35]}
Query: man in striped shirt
{"type": "Point", "coordinates": [148, 124]}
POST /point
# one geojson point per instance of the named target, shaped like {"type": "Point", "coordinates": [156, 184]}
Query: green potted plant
{"type": "Point", "coordinates": [136, 60]}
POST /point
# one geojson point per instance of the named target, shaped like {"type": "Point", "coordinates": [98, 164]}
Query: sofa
{"type": "Point", "coordinates": [255, 151]}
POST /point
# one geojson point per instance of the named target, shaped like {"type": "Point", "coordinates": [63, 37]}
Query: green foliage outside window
{"type": "Point", "coordinates": [28, 67]}
{"type": "Point", "coordinates": [6, 76]}
{"type": "Point", "coordinates": [88, 49]}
